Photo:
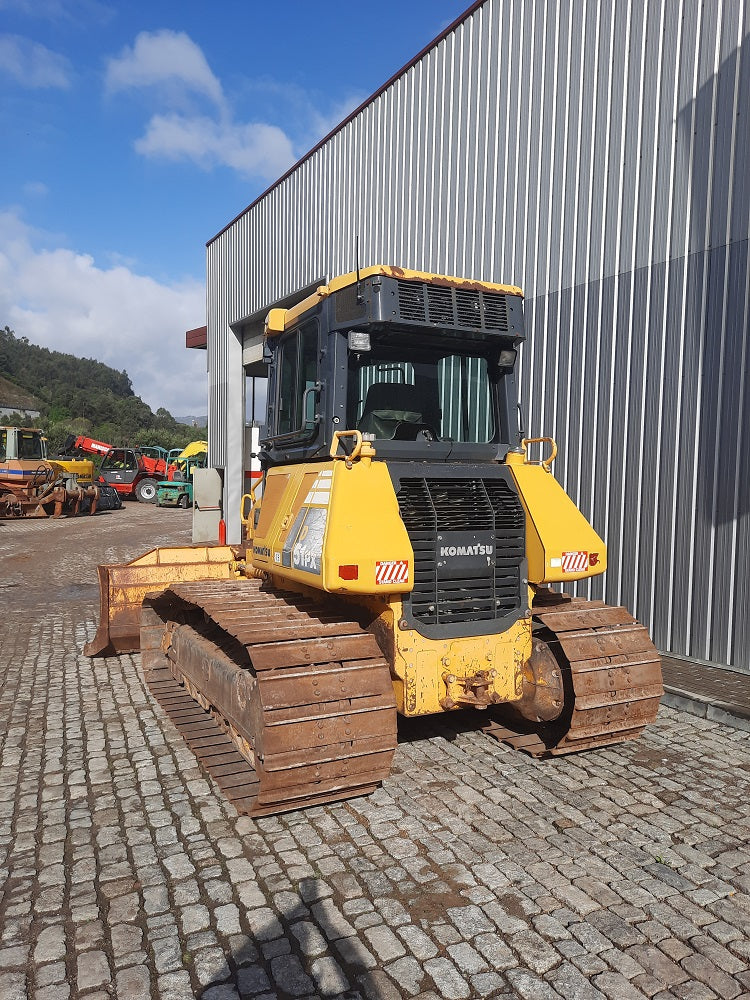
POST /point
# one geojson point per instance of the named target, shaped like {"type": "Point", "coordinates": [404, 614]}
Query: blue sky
{"type": "Point", "coordinates": [133, 132]}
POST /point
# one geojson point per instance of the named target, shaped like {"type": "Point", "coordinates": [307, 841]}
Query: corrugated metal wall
{"type": "Point", "coordinates": [597, 154]}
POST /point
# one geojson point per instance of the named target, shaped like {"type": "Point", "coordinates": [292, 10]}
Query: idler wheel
{"type": "Point", "coordinates": [543, 695]}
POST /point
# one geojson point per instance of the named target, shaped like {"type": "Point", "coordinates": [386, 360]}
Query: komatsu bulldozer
{"type": "Point", "coordinates": [403, 559]}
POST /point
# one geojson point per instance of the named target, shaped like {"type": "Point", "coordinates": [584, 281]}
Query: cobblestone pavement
{"type": "Point", "coordinates": [474, 871]}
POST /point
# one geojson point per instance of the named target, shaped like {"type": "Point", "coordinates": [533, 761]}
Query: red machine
{"type": "Point", "coordinates": [127, 469]}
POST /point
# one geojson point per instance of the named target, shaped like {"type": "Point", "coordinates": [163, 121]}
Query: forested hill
{"type": "Point", "coordinates": [82, 396]}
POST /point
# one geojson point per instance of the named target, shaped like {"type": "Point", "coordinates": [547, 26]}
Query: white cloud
{"type": "Point", "coordinates": [180, 79]}
{"type": "Point", "coordinates": [254, 150]}
{"type": "Point", "coordinates": [63, 300]}
{"type": "Point", "coordinates": [35, 189]}
{"type": "Point", "coordinates": [166, 59]}
{"type": "Point", "coordinates": [33, 65]}
{"type": "Point", "coordinates": [74, 11]}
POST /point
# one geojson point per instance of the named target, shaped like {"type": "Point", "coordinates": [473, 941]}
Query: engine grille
{"type": "Point", "coordinates": [465, 508]}
{"type": "Point", "coordinates": [454, 307]}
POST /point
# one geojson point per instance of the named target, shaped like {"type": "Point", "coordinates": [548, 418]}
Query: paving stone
{"type": "Point", "coordinates": [377, 985]}
{"type": "Point", "coordinates": [418, 943]}
{"type": "Point", "coordinates": [174, 986]}
{"type": "Point", "coordinates": [467, 959]}
{"type": "Point", "coordinates": [570, 983]}
{"type": "Point", "coordinates": [617, 987]}
{"type": "Point", "coordinates": [49, 975]}
{"type": "Point", "coordinates": [717, 954]}
{"type": "Point", "coordinates": [354, 953]}
{"type": "Point", "coordinates": [486, 984]}
{"type": "Point", "coordinates": [92, 970]}
{"type": "Point", "coordinates": [700, 968]}
{"type": "Point", "coordinates": [530, 987]}
{"type": "Point", "coordinates": [125, 939]}
{"type": "Point", "coordinates": [60, 991]}
{"type": "Point", "coordinates": [613, 927]}
{"type": "Point", "coordinates": [264, 924]}
{"type": "Point", "coordinates": [223, 992]}
{"type": "Point", "coordinates": [449, 982]}
{"type": "Point", "coordinates": [534, 952]}
{"type": "Point", "coordinates": [210, 966]}
{"type": "Point", "coordinates": [384, 943]}
{"type": "Point", "coordinates": [618, 873]}
{"type": "Point", "coordinates": [657, 964]}
{"type": "Point", "coordinates": [252, 980]}
{"type": "Point", "coordinates": [329, 979]}
{"type": "Point", "coordinates": [17, 956]}
{"type": "Point", "coordinates": [311, 941]}
{"type": "Point", "coordinates": [167, 953]}
{"type": "Point", "coordinates": [331, 920]}
{"type": "Point", "coordinates": [289, 976]}
{"type": "Point", "coordinates": [470, 920]}
{"type": "Point", "coordinates": [133, 983]}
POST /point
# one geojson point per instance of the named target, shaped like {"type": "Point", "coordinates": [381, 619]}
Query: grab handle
{"type": "Point", "coordinates": [546, 462]}
{"type": "Point", "coordinates": [337, 435]}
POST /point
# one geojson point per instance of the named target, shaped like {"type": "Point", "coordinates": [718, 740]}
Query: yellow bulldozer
{"type": "Point", "coordinates": [402, 558]}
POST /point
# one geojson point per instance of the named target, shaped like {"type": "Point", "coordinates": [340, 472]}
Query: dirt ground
{"type": "Point", "coordinates": [48, 562]}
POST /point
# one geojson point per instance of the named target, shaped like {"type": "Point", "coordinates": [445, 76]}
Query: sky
{"type": "Point", "coordinates": [133, 132]}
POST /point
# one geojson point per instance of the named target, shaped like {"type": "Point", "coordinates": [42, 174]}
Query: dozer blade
{"type": "Point", "coordinates": [123, 587]}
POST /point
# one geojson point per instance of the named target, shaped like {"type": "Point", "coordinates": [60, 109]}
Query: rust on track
{"type": "Point", "coordinates": [284, 702]}
{"type": "Point", "coordinates": [611, 676]}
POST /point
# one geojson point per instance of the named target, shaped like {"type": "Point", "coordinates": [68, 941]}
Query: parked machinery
{"type": "Point", "coordinates": [177, 491]}
{"type": "Point", "coordinates": [127, 470]}
{"type": "Point", "coordinates": [33, 486]}
{"type": "Point", "coordinates": [400, 562]}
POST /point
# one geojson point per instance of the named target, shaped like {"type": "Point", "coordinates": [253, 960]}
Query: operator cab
{"type": "Point", "coordinates": [23, 444]}
{"type": "Point", "coordinates": [422, 366]}
{"type": "Point", "coordinates": [120, 465]}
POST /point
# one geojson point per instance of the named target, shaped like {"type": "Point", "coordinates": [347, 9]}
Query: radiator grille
{"type": "Point", "coordinates": [454, 307]}
{"type": "Point", "coordinates": [430, 507]}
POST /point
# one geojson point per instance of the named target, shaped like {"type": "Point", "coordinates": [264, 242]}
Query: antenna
{"type": "Point", "coordinates": [356, 256]}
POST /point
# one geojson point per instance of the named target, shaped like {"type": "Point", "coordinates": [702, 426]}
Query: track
{"type": "Point", "coordinates": [295, 703]}
{"type": "Point", "coordinates": [611, 676]}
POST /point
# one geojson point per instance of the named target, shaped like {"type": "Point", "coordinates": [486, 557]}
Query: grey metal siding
{"type": "Point", "coordinates": [594, 152]}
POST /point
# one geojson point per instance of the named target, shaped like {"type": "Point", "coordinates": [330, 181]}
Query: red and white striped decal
{"type": "Point", "coordinates": [575, 562]}
{"type": "Point", "coordinates": [392, 571]}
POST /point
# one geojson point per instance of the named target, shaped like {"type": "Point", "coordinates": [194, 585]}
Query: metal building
{"type": "Point", "coordinates": [596, 153]}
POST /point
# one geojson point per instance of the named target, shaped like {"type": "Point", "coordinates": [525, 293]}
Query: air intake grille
{"type": "Point", "coordinates": [452, 523]}
{"type": "Point", "coordinates": [454, 307]}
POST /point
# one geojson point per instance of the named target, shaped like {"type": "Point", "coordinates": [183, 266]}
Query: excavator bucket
{"type": "Point", "coordinates": [123, 587]}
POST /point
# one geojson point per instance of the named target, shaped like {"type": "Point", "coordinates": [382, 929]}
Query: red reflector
{"type": "Point", "coordinates": [349, 572]}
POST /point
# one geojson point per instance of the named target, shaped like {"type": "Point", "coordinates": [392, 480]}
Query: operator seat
{"type": "Point", "coordinates": [388, 405]}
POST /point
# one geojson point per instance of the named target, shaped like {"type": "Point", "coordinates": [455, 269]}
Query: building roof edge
{"type": "Point", "coordinates": [404, 69]}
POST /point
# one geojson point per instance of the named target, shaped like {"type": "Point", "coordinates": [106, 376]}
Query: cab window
{"type": "Point", "coordinates": [30, 445]}
{"type": "Point", "coordinates": [295, 385]}
{"type": "Point", "coordinates": [120, 460]}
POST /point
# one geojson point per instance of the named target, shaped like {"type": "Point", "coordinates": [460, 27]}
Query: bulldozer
{"type": "Point", "coordinates": [404, 557]}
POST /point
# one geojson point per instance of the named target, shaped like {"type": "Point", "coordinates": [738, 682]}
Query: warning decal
{"type": "Point", "coordinates": [393, 571]}
{"type": "Point", "coordinates": [575, 562]}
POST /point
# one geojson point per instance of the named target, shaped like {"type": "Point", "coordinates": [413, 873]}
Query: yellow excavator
{"type": "Point", "coordinates": [402, 558]}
